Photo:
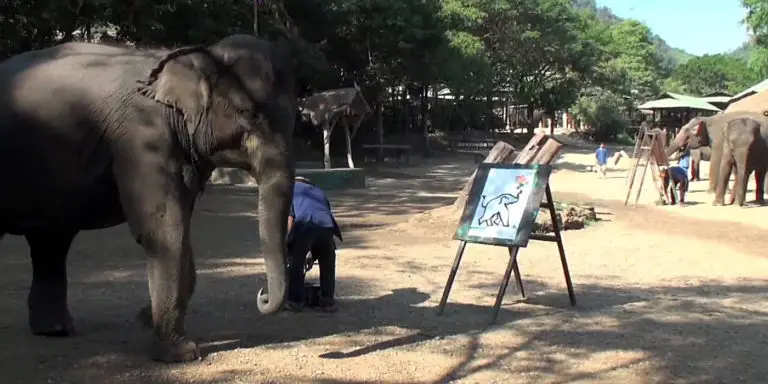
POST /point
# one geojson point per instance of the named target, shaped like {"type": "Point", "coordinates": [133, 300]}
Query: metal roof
{"type": "Point", "coordinates": [757, 88]}
{"type": "Point", "coordinates": [679, 101]}
{"type": "Point", "coordinates": [757, 102]}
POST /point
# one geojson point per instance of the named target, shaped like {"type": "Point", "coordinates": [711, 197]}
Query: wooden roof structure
{"type": "Point", "coordinates": [324, 106]}
{"type": "Point", "coordinates": [343, 105]}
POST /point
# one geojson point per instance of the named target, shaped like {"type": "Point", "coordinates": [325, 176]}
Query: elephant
{"type": "Point", "coordinates": [495, 210]}
{"type": "Point", "coordinates": [697, 155]}
{"type": "Point", "coordinates": [93, 136]}
{"type": "Point", "coordinates": [714, 126]}
{"type": "Point", "coordinates": [744, 148]}
{"type": "Point", "coordinates": [745, 145]}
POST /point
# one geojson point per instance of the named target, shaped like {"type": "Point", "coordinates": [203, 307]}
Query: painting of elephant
{"type": "Point", "coordinates": [495, 211]}
{"type": "Point", "coordinates": [92, 136]}
{"type": "Point", "coordinates": [714, 126]}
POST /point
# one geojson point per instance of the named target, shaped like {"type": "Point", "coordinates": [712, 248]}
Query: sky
{"type": "Point", "coordinates": [697, 26]}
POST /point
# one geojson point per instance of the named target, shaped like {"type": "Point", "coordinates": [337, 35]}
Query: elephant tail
{"type": "Point", "coordinates": [482, 201]}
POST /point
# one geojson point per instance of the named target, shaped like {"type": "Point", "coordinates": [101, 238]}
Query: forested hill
{"type": "Point", "coordinates": [671, 56]}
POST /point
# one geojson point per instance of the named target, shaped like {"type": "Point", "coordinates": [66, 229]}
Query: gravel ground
{"type": "Point", "coordinates": [665, 295]}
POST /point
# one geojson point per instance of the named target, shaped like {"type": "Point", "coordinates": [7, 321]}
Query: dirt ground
{"type": "Point", "coordinates": [665, 295]}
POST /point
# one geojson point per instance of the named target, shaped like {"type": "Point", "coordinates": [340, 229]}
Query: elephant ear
{"type": "Point", "coordinates": [181, 80]}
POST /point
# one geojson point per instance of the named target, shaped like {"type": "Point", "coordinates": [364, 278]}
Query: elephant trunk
{"type": "Point", "coordinates": [673, 147]}
{"type": "Point", "coordinates": [274, 169]}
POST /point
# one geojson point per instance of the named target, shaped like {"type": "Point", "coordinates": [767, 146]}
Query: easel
{"type": "Point", "coordinates": [541, 149]}
{"type": "Point", "coordinates": [649, 152]}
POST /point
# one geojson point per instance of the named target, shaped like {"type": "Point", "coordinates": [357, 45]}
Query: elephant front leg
{"type": "Point", "coordinates": [47, 301]}
{"type": "Point", "coordinates": [723, 175]}
{"type": "Point", "coordinates": [159, 219]}
{"type": "Point", "coordinates": [741, 179]}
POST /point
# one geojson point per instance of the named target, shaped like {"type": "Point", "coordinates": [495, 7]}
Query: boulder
{"type": "Point", "coordinates": [568, 217]}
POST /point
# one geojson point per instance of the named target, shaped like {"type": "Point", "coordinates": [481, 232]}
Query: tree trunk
{"type": "Point", "coordinates": [348, 135]}
{"type": "Point", "coordinates": [425, 118]}
{"type": "Point", "coordinates": [501, 153]}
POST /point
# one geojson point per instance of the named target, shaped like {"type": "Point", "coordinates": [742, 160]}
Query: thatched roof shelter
{"type": "Point", "coordinates": [345, 105]}
{"type": "Point", "coordinates": [324, 106]}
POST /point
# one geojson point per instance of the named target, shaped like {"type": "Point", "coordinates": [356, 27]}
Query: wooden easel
{"type": "Point", "coordinates": [649, 153]}
{"type": "Point", "coordinates": [541, 149]}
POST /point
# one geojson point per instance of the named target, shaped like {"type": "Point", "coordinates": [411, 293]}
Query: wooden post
{"type": "Point", "coordinates": [348, 135]}
{"type": "Point", "coordinates": [500, 153]}
{"type": "Point", "coordinates": [327, 130]}
{"type": "Point", "coordinates": [541, 149]}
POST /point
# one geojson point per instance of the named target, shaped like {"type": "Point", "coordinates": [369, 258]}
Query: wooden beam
{"type": "Point", "coordinates": [501, 153]}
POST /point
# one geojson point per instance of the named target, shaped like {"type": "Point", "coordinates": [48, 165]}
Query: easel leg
{"type": "Point", "coordinates": [451, 277]}
{"type": "Point", "coordinates": [516, 270]}
{"type": "Point", "coordinates": [505, 282]}
{"type": "Point", "coordinates": [560, 248]}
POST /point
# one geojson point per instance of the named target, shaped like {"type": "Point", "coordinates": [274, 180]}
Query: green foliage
{"type": "Point", "coordinates": [710, 73]}
{"type": "Point", "coordinates": [600, 110]}
{"type": "Point", "coordinates": [547, 55]}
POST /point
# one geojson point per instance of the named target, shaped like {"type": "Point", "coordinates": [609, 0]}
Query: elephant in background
{"type": "Point", "coordinates": [92, 136]}
{"type": "Point", "coordinates": [744, 148]}
{"type": "Point", "coordinates": [745, 145]}
{"type": "Point", "coordinates": [714, 127]}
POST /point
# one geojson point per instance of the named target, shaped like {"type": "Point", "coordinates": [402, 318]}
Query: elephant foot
{"type": "Point", "coordinates": [179, 350]}
{"type": "Point", "coordinates": [718, 203]}
{"type": "Point", "coordinates": [48, 326]}
{"type": "Point", "coordinates": [145, 317]}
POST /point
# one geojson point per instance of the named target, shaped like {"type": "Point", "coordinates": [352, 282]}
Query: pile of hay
{"type": "Point", "coordinates": [441, 222]}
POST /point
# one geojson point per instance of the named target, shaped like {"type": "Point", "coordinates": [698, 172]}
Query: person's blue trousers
{"type": "Point", "coordinates": [319, 241]}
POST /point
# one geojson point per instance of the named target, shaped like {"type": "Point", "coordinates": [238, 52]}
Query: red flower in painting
{"type": "Point", "coordinates": [521, 180]}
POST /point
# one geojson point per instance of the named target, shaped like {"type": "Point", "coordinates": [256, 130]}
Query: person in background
{"type": "Point", "coordinates": [601, 155]}
{"type": "Point", "coordinates": [311, 228]}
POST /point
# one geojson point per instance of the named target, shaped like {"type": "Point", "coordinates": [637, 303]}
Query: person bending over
{"type": "Point", "coordinates": [311, 228]}
{"type": "Point", "coordinates": [678, 175]}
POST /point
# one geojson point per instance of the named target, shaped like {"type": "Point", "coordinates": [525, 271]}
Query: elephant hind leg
{"type": "Point", "coordinates": [760, 184]}
{"type": "Point", "coordinates": [47, 299]}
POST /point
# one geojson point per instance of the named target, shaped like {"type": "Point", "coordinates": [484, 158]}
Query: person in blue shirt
{"type": "Point", "coordinates": [678, 175]}
{"type": "Point", "coordinates": [311, 228]}
{"type": "Point", "coordinates": [601, 155]}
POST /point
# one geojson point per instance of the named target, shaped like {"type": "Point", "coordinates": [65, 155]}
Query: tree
{"type": "Point", "coordinates": [710, 73]}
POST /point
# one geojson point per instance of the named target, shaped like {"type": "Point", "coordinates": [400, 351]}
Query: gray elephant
{"type": "Point", "coordinates": [93, 136]}
{"type": "Point", "coordinates": [697, 155]}
{"type": "Point", "coordinates": [744, 149]}
{"type": "Point", "coordinates": [495, 211]}
{"type": "Point", "coordinates": [714, 126]}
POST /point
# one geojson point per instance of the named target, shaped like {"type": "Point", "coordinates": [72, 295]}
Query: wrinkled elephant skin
{"type": "Point", "coordinates": [108, 135]}
{"type": "Point", "coordinates": [744, 146]}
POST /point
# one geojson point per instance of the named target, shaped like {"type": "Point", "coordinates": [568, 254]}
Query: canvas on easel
{"type": "Point", "coordinates": [503, 203]}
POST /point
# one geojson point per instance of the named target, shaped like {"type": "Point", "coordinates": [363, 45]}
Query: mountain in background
{"type": "Point", "coordinates": [744, 51]}
{"type": "Point", "coordinates": [672, 57]}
